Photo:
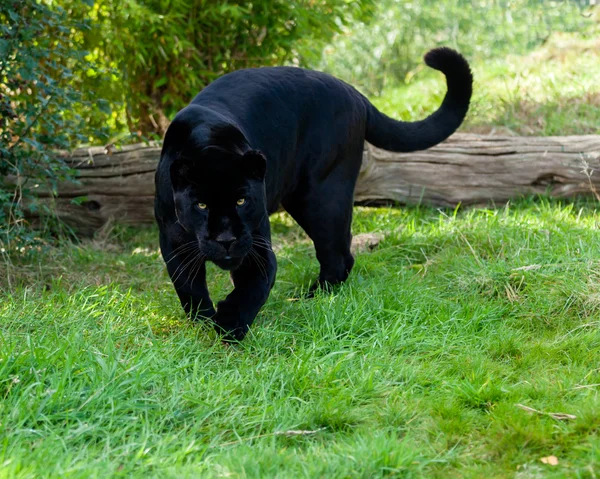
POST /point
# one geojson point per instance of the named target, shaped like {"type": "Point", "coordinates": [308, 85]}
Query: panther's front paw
{"type": "Point", "coordinates": [203, 315]}
{"type": "Point", "coordinates": [230, 326]}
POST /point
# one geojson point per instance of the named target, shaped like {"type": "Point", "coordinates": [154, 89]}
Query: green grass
{"type": "Point", "coordinates": [554, 90]}
{"type": "Point", "coordinates": [413, 368]}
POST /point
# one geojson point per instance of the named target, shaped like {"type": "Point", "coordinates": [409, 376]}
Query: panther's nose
{"type": "Point", "coordinates": [225, 240]}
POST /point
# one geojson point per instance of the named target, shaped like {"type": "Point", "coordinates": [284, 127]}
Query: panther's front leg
{"type": "Point", "coordinates": [252, 281]}
{"type": "Point", "coordinates": [187, 270]}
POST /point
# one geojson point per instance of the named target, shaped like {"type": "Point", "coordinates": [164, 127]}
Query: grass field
{"type": "Point", "coordinates": [416, 367]}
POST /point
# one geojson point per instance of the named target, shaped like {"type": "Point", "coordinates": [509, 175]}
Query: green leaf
{"type": "Point", "coordinates": [160, 82]}
{"type": "Point", "coordinates": [104, 106]}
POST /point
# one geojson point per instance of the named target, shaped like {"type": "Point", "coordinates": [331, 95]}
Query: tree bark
{"type": "Point", "coordinates": [118, 185]}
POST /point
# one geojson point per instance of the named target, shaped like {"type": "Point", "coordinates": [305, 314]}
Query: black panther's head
{"type": "Point", "coordinates": [220, 200]}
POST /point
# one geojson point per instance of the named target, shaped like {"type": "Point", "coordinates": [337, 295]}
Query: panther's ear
{"type": "Point", "coordinates": [187, 164]}
{"type": "Point", "coordinates": [255, 164]}
{"type": "Point", "coordinates": [180, 170]}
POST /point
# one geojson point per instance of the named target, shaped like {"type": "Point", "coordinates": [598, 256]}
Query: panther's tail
{"type": "Point", "coordinates": [401, 136]}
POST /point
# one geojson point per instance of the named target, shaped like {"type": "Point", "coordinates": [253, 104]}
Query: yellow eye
{"type": "Point", "coordinates": [241, 201]}
{"type": "Point", "coordinates": [202, 206]}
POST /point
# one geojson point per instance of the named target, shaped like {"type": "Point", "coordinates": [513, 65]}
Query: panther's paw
{"type": "Point", "coordinates": [229, 326]}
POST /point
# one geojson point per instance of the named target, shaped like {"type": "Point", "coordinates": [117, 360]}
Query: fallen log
{"type": "Point", "coordinates": [118, 185]}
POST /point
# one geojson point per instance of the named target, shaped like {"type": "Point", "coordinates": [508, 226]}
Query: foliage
{"type": "Point", "coordinates": [164, 51]}
{"type": "Point", "coordinates": [386, 51]}
{"type": "Point", "coordinates": [411, 369]}
{"type": "Point", "coordinates": [72, 71]}
{"type": "Point", "coordinates": [40, 105]}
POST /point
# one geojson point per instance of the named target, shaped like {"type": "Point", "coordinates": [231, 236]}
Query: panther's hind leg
{"type": "Point", "coordinates": [324, 212]}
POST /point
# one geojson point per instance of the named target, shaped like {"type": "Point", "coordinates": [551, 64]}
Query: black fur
{"type": "Point", "coordinates": [275, 136]}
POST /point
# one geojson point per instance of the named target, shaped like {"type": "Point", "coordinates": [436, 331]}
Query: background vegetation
{"type": "Point", "coordinates": [43, 106]}
{"type": "Point", "coordinates": [161, 53]}
{"type": "Point", "coordinates": [385, 51]}
{"type": "Point", "coordinates": [536, 63]}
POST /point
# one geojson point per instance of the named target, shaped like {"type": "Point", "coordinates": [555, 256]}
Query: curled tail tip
{"type": "Point", "coordinates": [392, 135]}
{"type": "Point", "coordinates": [447, 61]}
{"type": "Point", "coordinates": [457, 71]}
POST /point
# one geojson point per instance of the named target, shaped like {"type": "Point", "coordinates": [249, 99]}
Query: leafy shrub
{"type": "Point", "coordinates": [164, 52]}
{"type": "Point", "coordinates": [39, 104]}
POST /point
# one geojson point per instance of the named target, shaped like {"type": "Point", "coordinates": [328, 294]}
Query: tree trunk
{"type": "Point", "coordinates": [469, 169]}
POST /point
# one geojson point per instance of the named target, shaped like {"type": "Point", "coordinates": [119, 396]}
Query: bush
{"type": "Point", "coordinates": [164, 52]}
{"type": "Point", "coordinates": [39, 103]}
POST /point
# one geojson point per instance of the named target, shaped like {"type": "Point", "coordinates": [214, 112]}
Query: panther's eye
{"type": "Point", "coordinates": [202, 206]}
{"type": "Point", "coordinates": [241, 201]}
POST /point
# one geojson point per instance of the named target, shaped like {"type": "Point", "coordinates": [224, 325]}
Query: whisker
{"type": "Point", "coordinates": [257, 254]}
{"type": "Point", "coordinates": [181, 248]}
{"type": "Point", "coordinates": [185, 259]}
{"type": "Point", "coordinates": [261, 242]}
{"type": "Point", "coordinates": [198, 268]}
{"type": "Point", "coordinates": [183, 266]}
{"type": "Point", "coordinates": [183, 245]}
{"type": "Point", "coordinates": [260, 262]}
{"type": "Point", "coordinates": [192, 265]}
{"type": "Point", "coordinates": [268, 241]}
{"type": "Point", "coordinates": [265, 247]}
{"type": "Point", "coordinates": [188, 250]}
{"type": "Point", "coordinates": [176, 270]}
{"type": "Point", "coordinates": [262, 239]}
{"type": "Point", "coordinates": [261, 268]}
